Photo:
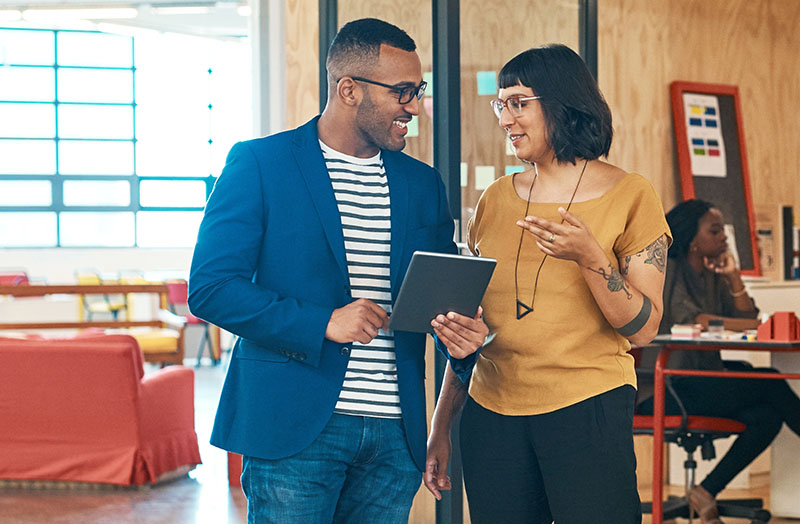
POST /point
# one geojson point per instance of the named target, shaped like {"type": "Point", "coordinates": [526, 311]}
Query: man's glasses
{"type": "Point", "coordinates": [514, 104]}
{"type": "Point", "coordinates": [405, 93]}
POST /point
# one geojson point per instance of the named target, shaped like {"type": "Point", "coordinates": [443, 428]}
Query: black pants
{"type": "Point", "coordinates": [762, 405]}
{"type": "Point", "coordinates": [575, 465]}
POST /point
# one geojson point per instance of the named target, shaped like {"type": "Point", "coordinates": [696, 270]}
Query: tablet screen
{"type": "Point", "coordinates": [437, 283]}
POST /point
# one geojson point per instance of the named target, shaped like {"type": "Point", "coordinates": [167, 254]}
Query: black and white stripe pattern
{"type": "Point", "coordinates": [362, 195]}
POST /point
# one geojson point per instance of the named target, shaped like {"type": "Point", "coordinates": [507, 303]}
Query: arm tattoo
{"type": "Point", "coordinates": [614, 278]}
{"type": "Point", "coordinates": [626, 266]}
{"type": "Point", "coordinates": [657, 253]}
{"type": "Point", "coordinates": [639, 321]}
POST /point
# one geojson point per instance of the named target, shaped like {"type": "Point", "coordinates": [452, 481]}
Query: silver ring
{"type": "Point", "coordinates": [552, 238]}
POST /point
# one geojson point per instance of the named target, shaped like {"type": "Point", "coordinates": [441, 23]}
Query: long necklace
{"type": "Point", "coordinates": [523, 308]}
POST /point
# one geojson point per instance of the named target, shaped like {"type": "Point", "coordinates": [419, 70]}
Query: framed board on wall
{"type": "Point", "coordinates": [711, 156]}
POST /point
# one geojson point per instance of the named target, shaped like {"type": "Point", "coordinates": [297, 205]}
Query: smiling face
{"type": "Point", "coordinates": [710, 240]}
{"type": "Point", "coordinates": [527, 132]}
{"type": "Point", "coordinates": [381, 121]}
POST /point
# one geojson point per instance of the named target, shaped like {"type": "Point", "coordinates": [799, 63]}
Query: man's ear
{"type": "Point", "coordinates": [348, 91]}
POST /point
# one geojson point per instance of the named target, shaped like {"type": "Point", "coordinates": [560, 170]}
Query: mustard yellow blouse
{"type": "Point", "coordinates": [564, 351]}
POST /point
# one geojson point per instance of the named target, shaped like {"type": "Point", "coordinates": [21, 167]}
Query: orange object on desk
{"type": "Point", "coordinates": [782, 326]}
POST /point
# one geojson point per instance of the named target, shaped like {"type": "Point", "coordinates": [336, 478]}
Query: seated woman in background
{"type": "Point", "coordinates": [702, 284]}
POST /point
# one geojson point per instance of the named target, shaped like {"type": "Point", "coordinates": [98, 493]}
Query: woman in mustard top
{"type": "Point", "coordinates": [546, 432]}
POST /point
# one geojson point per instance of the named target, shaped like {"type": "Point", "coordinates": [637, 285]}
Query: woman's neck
{"type": "Point", "coordinates": [695, 262]}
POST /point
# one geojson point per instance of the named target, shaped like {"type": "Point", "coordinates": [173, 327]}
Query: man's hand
{"type": "Point", "coordinates": [435, 477]}
{"type": "Point", "coordinates": [358, 321]}
{"type": "Point", "coordinates": [461, 335]}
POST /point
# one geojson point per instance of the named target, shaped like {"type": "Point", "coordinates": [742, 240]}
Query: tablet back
{"type": "Point", "coordinates": [437, 283]}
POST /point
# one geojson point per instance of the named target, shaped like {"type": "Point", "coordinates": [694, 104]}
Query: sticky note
{"type": "Point", "coordinates": [428, 77]}
{"type": "Point", "coordinates": [463, 174]}
{"type": "Point", "coordinates": [510, 170]}
{"type": "Point", "coordinates": [427, 103]}
{"type": "Point", "coordinates": [413, 127]}
{"type": "Point", "coordinates": [484, 175]}
{"type": "Point", "coordinates": [487, 83]}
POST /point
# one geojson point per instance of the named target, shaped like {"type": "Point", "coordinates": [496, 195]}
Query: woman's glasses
{"type": "Point", "coordinates": [514, 104]}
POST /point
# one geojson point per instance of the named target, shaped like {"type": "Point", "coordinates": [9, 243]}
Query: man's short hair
{"type": "Point", "coordinates": [356, 47]}
{"type": "Point", "coordinates": [577, 116]}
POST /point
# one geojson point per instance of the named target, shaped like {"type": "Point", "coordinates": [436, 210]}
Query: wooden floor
{"type": "Point", "coordinates": [203, 497]}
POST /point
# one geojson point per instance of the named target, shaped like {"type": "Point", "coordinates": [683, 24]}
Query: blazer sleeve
{"type": "Point", "coordinates": [222, 289]}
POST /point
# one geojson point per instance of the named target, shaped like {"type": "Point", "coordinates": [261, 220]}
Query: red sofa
{"type": "Point", "coordinates": [81, 409]}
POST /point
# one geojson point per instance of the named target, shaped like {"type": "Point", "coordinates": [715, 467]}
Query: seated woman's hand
{"type": "Point", "coordinates": [723, 264]}
{"type": "Point", "coordinates": [461, 335]}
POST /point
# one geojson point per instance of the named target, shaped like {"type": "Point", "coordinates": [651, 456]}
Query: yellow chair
{"type": "Point", "coordinates": [91, 304]}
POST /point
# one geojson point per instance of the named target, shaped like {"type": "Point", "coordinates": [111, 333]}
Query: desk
{"type": "Point", "coordinates": [704, 344]}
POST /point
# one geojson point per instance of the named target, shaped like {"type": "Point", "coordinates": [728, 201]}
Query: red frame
{"type": "Point", "coordinates": [677, 89]}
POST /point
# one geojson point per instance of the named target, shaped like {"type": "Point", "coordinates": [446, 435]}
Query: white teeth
{"type": "Point", "coordinates": [401, 125]}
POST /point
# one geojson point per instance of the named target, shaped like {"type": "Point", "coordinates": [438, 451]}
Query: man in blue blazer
{"type": "Point", "coordinates": [301, 252]}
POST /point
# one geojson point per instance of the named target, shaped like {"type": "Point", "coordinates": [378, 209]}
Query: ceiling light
{"type": "Point", "coordinates": [10, 15]}
{"type": "Point", "coordinates": [38, 15]}
{"type": "Point", "coordinates": [181, 10]}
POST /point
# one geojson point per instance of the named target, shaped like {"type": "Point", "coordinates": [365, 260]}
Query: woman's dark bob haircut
{"type": "Point", "coordinates": [577, 116]}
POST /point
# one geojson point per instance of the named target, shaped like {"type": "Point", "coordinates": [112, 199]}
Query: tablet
{"type": "Point", "coordinates": [437, 283]}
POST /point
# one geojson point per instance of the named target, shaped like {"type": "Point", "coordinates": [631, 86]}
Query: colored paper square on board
{"type": "Point", "coordinates": [428, 78]}
{"type": "Point", "coordinates": [487, 83]}
{"type": "Point", "coordinates": [510, 170]}
{"type": "Point", "coordinates": [484, 176]}
{"type": "Point", "coordinates": [413, 127]}
{"type": "Point", "coordinates": [463, 174]}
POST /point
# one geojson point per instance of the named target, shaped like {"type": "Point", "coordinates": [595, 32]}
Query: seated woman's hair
{"type": "Point", "coordinates": [577, 116]}
{"type": "Point", "coordinates": [683, 221]}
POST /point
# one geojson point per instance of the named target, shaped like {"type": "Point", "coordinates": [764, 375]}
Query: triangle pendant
{"type": "Point", "coordinates": [522, 309]}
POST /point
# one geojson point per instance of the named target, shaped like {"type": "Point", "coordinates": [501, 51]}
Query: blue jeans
{"type": "Point", "coordinates": [358, 470]}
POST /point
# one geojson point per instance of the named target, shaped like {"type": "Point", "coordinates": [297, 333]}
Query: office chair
{"type": "Point", "coordinates": [92, 304]}
{"type": "Point", "coordinates": [177, 298]}
{"type": "Point", "coordinates": [690, 432]}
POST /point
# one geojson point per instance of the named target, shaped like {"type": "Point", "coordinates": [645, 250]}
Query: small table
{"type": "Point", "coordinates": [669, 345]}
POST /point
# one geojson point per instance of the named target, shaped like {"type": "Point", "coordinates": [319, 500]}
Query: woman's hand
{"type": "Point", "coordinates": [435, 477]}
{"type": "Point", "coordinates": [570, 240]}
{"type": "Point", "coordinates": [461, 335]}
{"type": "Point", "coordinates": [724, 264]}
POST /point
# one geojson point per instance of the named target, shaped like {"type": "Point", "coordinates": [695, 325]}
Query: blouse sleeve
{"type": "Point", "coordinates": [645, 221]}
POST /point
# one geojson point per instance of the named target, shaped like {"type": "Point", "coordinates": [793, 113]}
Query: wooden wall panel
{"type": "Point", "coordinates": [302, 61]}
{"type": "Point", "coordinates": [643, 46]}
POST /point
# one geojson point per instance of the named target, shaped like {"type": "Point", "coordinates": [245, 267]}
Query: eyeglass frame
{"type": "Point", "coordinates": [417, 91]}
{"type": "Point", "coordinates": [499, 104]}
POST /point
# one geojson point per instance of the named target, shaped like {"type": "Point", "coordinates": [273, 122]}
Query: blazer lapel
{"type": "Point", "coordinates": [398, 196]}
{"type": "Point", "coordinates": [309, 158]}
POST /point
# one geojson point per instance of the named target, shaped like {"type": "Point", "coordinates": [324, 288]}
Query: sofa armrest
{"type": "Point", "coordinates": [167, 401]}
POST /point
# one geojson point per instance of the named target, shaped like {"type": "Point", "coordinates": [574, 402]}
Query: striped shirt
{"type": "Point", "coordinates": [362, 195]}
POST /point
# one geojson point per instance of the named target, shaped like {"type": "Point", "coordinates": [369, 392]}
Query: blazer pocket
{"type": "Point", "coordinates": [252, 351]}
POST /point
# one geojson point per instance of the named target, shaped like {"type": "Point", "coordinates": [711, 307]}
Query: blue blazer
{"type": "Point", "coordinates": [270, 267]}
